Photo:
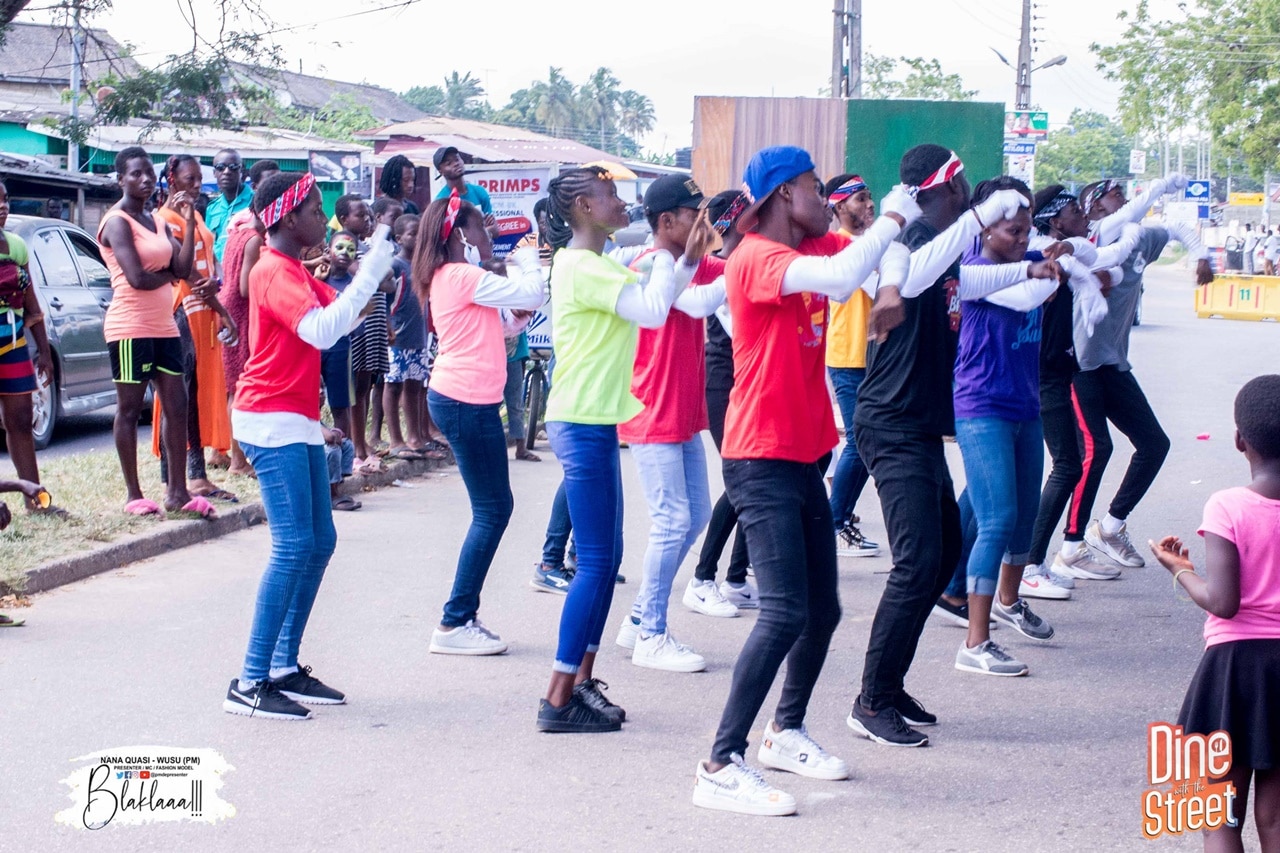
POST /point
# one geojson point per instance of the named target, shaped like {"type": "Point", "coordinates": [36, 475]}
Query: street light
{"type": "Point", "coordinates": [1057, 60]}
{"type": "Point", "coordinates": [1023, 100]}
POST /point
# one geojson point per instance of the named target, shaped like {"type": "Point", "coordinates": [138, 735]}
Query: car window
{"type": "Point", "coordinates": [59, 268]}
{"type": "Point", "coordinates": [90, 261]}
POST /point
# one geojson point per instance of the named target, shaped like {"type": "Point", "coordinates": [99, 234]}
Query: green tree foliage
{"type": "Point", "coordinates": [1216, 64]}
{"type": "Point", "coordinates": [1091, 147]}
{"type": "Point", "coordinates": [599, 112]}
{"type": "Point", "coordinates": [339, 119]}
{"type": "Point", "coordinates": [924, 80]}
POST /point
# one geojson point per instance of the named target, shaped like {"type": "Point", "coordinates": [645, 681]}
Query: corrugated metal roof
{"type": "Point", "coordinates": [490, 143]}
{"type": "Point", "coordinates": [34, 169]}
{"type": "Point", "coordinates": [254, 142]}
{"type": "Point", "coordinates": [41, 53]}
{"type": "Point", "coordinates": [314, 93]}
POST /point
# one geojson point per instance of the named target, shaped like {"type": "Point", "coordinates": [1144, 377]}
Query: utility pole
{"type": "Point", "coordinates": [839, 78]}
{"type": "Point", "coordinates": [855, 48]}
{"type": "Point", "coordinates": [1022, 95]}
{"type": "Point", "coordinates": [73, 149]}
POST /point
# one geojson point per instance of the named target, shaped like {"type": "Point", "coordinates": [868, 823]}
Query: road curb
{"type": "Point", "coordinates": [171, 535]}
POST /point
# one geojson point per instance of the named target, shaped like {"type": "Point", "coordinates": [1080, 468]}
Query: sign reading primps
{"type": "Point", "coordinates": [514, 190]}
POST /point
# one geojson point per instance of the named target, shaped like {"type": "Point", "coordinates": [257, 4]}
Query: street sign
{"type": "Point", "coordinates": [1137, 161]}
{"type": "Point", "coordinates": [1017, 148]}
{"type": "Point", "coordinates": [1023, 167]}
{"type": "Point", "coordinates": [1245, 199]}
{"type": "Point", "coordinates": [1025, 124]}
{"type": "Point", "coordinates": [1196, 191]}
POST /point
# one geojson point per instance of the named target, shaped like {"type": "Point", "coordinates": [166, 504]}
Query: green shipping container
{"type": "Point", "coordinates": [880, 132]}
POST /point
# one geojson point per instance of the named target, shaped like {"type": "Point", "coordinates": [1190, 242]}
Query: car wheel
{"type": "Point", "coordinates": [44, 409]}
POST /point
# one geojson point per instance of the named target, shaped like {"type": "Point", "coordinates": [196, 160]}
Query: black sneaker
{"type": "Point", "coordinates": [956, 614]}
{"type": "Point", "coordinates": [262, 700]}
{"type": "Point", "coordinates": [912, 711]}
{"type": "Point", "coordinates": [576, 716]}
{"type": "Point", "coordinates": [886, 727]}
{"type": "Point", "coordinates": [302, 686]}
{"type": "Point", "coordinates": [591, 692]}
{"type": "Point", "coordinates": [621, 578]}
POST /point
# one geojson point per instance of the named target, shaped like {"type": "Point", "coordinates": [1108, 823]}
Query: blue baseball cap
{"type": "Point", "coordinates": [769, 169]}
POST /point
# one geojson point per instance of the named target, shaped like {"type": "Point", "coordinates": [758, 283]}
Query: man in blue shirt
{"type": "Point", "coordinates": [448, 163]}
{"type": "Point", "coordinates": [233, 196]}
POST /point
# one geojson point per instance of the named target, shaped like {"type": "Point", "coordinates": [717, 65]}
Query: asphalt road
{"type": "Point", "coordinates": [441, 753]}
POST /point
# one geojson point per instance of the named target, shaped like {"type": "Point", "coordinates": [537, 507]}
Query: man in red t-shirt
{"type": "Point", "coordinates": [669, 376]}
{"type": "Point", "coordinates": [778, 430]}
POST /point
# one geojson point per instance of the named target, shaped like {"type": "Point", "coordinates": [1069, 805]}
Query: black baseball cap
{"type": "Point", "coordinates": [672, 191]}
{"type": "Point", "coordinates": [443, 153]}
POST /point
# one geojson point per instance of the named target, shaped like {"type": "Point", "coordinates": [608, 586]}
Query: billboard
{"type": "Point", "coordinates": [337, 166]}
{"type": "Point", "coordinates": [1026, 124]}
{"type": "Point", "coordinates": [513, 189]}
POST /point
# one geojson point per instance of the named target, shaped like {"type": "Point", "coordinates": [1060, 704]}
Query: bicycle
{"type": "Point", "coordinates": [537, 377]}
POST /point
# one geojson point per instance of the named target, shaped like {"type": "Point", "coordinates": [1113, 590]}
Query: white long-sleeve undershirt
{"type": "Point", "coordinates": [839, 275]}
{"type": "Point", "coordinates": [525, 292]}
{"type": "Point", "coordinates": [701, 301]}
{"type": "Point", "coordinates": [648, 304]}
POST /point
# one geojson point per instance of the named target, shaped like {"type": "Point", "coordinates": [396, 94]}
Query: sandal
{"type": "Point", "coordinates": [142, 506]}
{"type": "Point", "coordinates": [219, 460]}
{"type": "Point", "coordinates": [404, 451]}
{"type": "Point", "coordinates": [346, 503]}
{"type": "Point", "coordinates": [528, 456]}
{"type": "Point", "coordinates": [6, 622]}
{"type": "Point", "coordinates": [219, 495]}
{"type": "Point", "coordinates": [197, 507]}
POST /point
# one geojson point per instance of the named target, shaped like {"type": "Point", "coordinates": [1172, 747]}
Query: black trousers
{"type": "Point", "coordinates": [784, 511]}
{"type": "Point", "coordinates": [1110, 394]}
{"type": "Point", "coordinates": [723, 516]}
{"type": "Point", "coordinates": [923, 522]}
{"type": "Point", "coordinates": [1062, 437]}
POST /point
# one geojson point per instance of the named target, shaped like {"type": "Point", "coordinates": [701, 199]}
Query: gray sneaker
{"type": "Point", "coordinates": [1116, 545]}
{"type": "Point", "coordinates": [1020, 617]}
{"type": "Point", "coordinates": [1084, 567]}
{"type": "Point", "coordinates": [989, 659]}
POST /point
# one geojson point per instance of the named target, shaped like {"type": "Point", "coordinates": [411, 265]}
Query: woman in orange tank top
{"type": "Point", "coordinates": [203, 323]}
{"type": "Point", "coordinates": [144, 261]}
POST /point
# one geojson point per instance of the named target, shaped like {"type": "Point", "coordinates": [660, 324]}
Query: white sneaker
{"type": "Point", "coordinates": [736, 787]}
{"type": "Point", "coordinates": [1041, 586]}
{"type": "Point", "coordinates": [628, 632]}
{"type": "Point", "coordinates": [472, 638]}
{"type": "Point", "coordinates": [794, 751]}
{"type": "Point", "coordinates": [743, 596]}
{"type": "Point", "coordinates": [706, 598]}
{"type": "Point", "coordinates": [663, 651]}
{"type": "Point", "coordinates": [1083, 566]}
{"type": "Point", "coordinates": [1116, 545]}
{"type": "Point", "coordinates": [989, 658]}
{"type": "Point", "coordinates": [1059, 579]}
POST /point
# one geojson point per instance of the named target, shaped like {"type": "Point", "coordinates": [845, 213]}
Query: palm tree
{"type": "Point", "coordinates": [635, 114]}
{"type": "Point", "coordinates": [600, 95]}
{"type": "Point", "coordinates": [554, 99]}
{"type": "Point", "coordinates": [463, 96]}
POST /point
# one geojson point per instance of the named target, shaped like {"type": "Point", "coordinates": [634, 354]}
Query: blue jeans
{"type": "Point", "coordinates": [339, 458]}
{"type": "Point", "coordinates": [851, 472]}
{"type": "Point", "coordinates": [674, 477]}
{"type": "Point", "coordinates": [475, 434]}
{"type": "Point", "coordinates": [295, 493]}
{"type": "Point", "coordinates": [513, 396]}
{"type": "Point", "coordinates": [1003, 462]}
{"type": "Point", "coordinates": [593, 489]}
{"type": "Point", "coordinates": [559, 528]}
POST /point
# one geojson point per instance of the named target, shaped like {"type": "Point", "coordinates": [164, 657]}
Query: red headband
{"type": "Point", "coordinates": [945, 172]}
{"type": "Point", "coordinates": [450, 215]}
{"type": "Point", "coordinates": [292, 197]}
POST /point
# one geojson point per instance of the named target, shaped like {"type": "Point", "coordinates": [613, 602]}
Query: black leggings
{"type": "Point", "coordinates": [1062, 437]}
{"type": "Point", "coordinates": [1110, 394]}
{"type": "Point", "coordinates": [723, 516]}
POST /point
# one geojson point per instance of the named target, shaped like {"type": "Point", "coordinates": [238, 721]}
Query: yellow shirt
{"type": "Point", "coordinates": [847, 330]}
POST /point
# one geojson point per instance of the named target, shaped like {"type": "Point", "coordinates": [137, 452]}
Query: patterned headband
{"type": "Point", "coordinates": [289, 201]}
{"type": "Point", "coordinates": [1098, 192]}
{"type": "Point", "coordinates": [944, 173]}
{"type": "Point", "coordinates": [450, 215]}
{"type": "Point", "coordinates": [1052, 208]}
{"type": "Point", "coordinates": [731, 213]}
{"type": "Point", "coordinates": [847, 189]}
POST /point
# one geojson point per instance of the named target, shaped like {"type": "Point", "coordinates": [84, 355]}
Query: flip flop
{"type": "Point", "coordinates": [221, 495]}
{"type": "Point", "coordinates": [142, 506]}
{"type": "Point", "coordinates": [404, 451]}
{"type": "Point", "coordinates": [6, 622]}
{"type": "Point", "coordinates": [528, 456]}
{"type": "Point", "coordinates": [346, 503]}
{"type": "Point", "coordinates": [197, 507]}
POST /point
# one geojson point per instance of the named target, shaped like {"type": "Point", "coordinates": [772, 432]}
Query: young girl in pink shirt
{"type": "Point", "coordinates": [1236, 688]}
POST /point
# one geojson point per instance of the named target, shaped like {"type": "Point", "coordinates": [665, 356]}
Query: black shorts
{"type": "Point", "coordinates": [137, 360]}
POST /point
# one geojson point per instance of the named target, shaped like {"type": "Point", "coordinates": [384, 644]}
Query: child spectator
{"type": "Point", "coordinates": [408, 357]}
{"type": "Point", "coordinates": [1236, 688]}
{"type": "Point", "coordinates": [339, 455]}
{"type": "Point", "coordinates": [335, 362]}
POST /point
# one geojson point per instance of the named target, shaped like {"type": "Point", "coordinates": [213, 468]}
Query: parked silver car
{"type": "Point", "coordinates": [74, 289]}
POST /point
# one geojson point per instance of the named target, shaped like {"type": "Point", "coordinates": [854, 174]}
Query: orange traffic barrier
{"type": "Point", "coordinates": [1240, 297]}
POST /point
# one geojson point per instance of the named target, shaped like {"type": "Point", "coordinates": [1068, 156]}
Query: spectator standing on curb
{"type": "Point", "coordinates": [233, 196]}
{"type": "Point", "coordinates": [293, 316]}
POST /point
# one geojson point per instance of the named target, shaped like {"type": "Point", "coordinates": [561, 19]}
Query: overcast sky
{"type": "Point", "coordinates": [670, 50]}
